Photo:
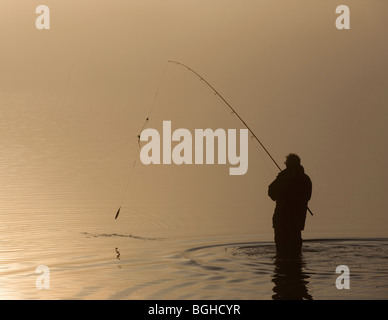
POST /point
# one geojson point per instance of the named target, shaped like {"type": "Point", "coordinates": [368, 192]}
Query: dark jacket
{"type": "Point", "coordinates": [291, 190]}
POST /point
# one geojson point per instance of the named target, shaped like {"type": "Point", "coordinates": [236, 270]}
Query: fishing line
{"type": "Point", "coordinates": [233, 111]}
{"type": "Point", "coordinates": [138, 140]}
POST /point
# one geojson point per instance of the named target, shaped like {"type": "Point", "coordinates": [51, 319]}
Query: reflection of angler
{"type": "Point", "coordinates": [290, 281]}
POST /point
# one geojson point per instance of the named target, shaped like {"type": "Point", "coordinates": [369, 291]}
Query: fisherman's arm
{"type": "Point", "coordinates": [274, 189]}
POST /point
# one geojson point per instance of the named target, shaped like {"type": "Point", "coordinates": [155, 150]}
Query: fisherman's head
{"type": "Point", "coordinates": [292, 161]}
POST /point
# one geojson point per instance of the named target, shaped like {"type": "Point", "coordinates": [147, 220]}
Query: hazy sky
{"type": "Point", "coordinates": [301, 84]}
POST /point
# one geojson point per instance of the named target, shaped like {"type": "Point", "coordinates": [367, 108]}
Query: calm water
{"type": "Point", "coordinates": [62, 179]}
{"type": "Point", "coordinates": [96, 265]}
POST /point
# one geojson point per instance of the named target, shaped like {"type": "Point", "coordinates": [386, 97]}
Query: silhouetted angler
{"type": "Point", "coordinates": [291, 190]}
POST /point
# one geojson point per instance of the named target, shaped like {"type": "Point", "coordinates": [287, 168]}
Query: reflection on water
{"type": "Point", "coordinates": [290, 280]}
{"type": "Point", "coordinates": [117, 253]}
{"type": "Point", "coordinates": [96, 265]}
{"type": "Point", "coordinates": [252, 270]}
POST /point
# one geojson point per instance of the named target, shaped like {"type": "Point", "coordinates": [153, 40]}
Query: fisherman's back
{"type": "Point", "coordinates": [291, 190]}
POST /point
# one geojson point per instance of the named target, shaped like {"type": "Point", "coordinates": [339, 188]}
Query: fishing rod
{"type": "Point", "coordinates": [230, 107]}
{"type": "Point", "coordinates": [233, 111]}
